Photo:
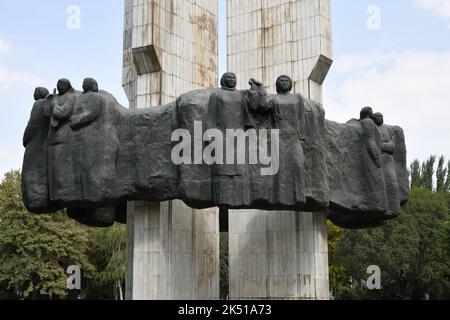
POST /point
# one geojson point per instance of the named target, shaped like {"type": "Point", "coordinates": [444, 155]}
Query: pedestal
{"type": "Point", "coordinates": [278, 255]}
{"type": "Point", "coordinates": [173, 252]}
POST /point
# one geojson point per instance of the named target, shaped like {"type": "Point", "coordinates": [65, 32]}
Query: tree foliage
{"type": "Point", "coordinates": [223, 266]}
{"type": "Point", "coordinates": [108, 254]}
{"type": "Point", "coordinates": [413, 251]}
{"type": "Point", "coordinates": [35, 250]}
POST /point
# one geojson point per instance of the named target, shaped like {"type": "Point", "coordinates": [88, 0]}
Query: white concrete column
{"type": "Point", "coordinates": [175, 252]}
{"type": "Point", "coordinates": [170, 47]}
{"type": "Point", "coordinates": [279, 254]}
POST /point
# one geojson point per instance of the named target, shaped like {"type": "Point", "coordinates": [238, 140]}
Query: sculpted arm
{"type": "Point", "coordinates": [389, 146]}
{"type": "Point", "coordinates": [30, 130]}
{"type": "Point", "coordinates": [63, 112]}
{"type": "Point", "coordinates": [89, 116]}
{"type": "Point", "coordinates": [29, 133]}
{"type": "Point", "coordinates": [371, 145]}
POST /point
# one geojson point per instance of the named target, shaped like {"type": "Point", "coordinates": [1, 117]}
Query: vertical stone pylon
{"type": "Point", "coordinates": [279, 254]}
{"type": "Point", "coordinates": [170, 47]}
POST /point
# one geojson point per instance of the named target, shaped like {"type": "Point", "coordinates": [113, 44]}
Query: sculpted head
{"type": "Point", "coordinates": [366, 113]}
{"type": "Point", "coordinates": [284, 84]}
{"type": "Point", "coordinates": [63, 86]}
{"type": "Point", "coordinates": [378, 119]}
{"type": "Point", "coordinates": [228, 81]}
{"type": "Point", "coordinates": [90, 85]}
{"type": "Point", "coordinates": [40, 93]}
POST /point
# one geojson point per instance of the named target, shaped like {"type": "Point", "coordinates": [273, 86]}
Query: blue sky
{"type": "Point", "coordinates": [401, 69]}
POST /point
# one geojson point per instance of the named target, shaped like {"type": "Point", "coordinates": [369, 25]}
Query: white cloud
{"type": "Point", "coordinates": [5, 47]}
{"type": "Point", "coordinates": [10, 78]}
{"type": "Point", "coordinates": [412, 89]}
{"type": "Point", "coordinates": [440, 8]}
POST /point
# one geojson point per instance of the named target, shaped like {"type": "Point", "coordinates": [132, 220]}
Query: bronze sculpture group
{"type": "Point", "coordinates": [87, 153]}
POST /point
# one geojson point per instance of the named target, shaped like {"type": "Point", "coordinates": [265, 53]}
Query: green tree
{"type": "Point", "coordinates": [413, 251]}
{"type": "Point", "coordinates": [447, 181]}
{"type": "Point", "coordinates": [339, 278]}
{"type": "Point", "coordinates": [35, 250]}
{"type": "Point", "coordinates": [108, 254]}
{"type": "Point", "coordinates": [441, 174]}
{"type": "Point", "coordinates": [223, 266]}
{"type": "Point", "coordinates": [410, 250]}
{"type": "Point", "coordinates": [414, 172]}
{"type": "Point", "coordinates": [428, 173]}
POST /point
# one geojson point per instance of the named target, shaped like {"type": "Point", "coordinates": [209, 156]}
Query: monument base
{"type": "Point", "coordinates": [278, 255]}
{"type": "Point", "coordinates": [172, 253]}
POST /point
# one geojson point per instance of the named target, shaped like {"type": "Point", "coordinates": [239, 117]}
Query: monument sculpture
{"type": "Point", "coordinates": [263, 156]}
{"type": "Point", "coordinates": [218, 147]}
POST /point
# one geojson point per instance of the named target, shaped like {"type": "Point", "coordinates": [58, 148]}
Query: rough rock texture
{"type": "Point", "coordinates": [35, 187]}
{"type": "Point", "coordinates": [102, 155]}
{"type": "Point", "coordinates": [363, 194]}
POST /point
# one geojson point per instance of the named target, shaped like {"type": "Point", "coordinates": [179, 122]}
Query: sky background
{"type": "Point", "coordinates": [391, 55]}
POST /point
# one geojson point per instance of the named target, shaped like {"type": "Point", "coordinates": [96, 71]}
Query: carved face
{"type": "Point", "coordinates": [378, 119]}
{"type": "Point", "coordinates": [229, 80]}
{"type": "Point", "coordinates": [37, 94]}
{"type": "Point", "coordinates": [63, 86]}
{"type": "Point", "coordinates": [284, 84]}
{"type": "Point", "coordinates": [40, 93]}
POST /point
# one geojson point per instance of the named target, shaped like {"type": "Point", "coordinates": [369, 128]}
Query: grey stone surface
{"type": "Point", "coordinates": [170, 47]}
{"type": "Point", "coordinates": [101, 154]}
{"type": "Point", "coordinates": [35, 187]}
{"type": "Point", "coordinates": [367, 184]}
{"type": "Point", "coordinates": [295, 38]}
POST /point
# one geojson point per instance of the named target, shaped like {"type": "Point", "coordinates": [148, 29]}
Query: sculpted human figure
{"type": "Point", "coordinates": [64, 103]}
{"type": "Point", "coordinates": [95, 144]}
{"type": "Point", "coordinates": [228, 81]}
{"type": "Point", "coordinates": [35, 188]}
{"type": "Point", "coordinates": [227, 103]}
{"type": "Point", "coordinates": [388, 165]}
{"type": "Point", "coordinates": [61, 166]}
{"type": "Point", "coordinates": [257, 107]}
{"type": "Point", "coordinates": [101, 155]}
{"type": "Point", "coordinates": [370, 135]}
{"type": "Point", "coordinates": [227, 111]}
{"type": "Point", "coordinates": [288, 112]}
{"type": "Point", "coordinates": [39, 112]}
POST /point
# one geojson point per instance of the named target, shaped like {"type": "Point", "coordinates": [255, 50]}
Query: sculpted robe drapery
{"type": "Point", "coordinates": [60, 149]}
{"type": "Point", "coordinates": [35, 187]}
{"type": "Point", "coordinates": [102, 155]}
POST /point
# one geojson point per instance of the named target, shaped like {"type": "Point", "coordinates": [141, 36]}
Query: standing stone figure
{"type": "Point", "coordinates": [35, 188]}
{"type": "Point", "coordinates": [388, 165]}
{"type": "Point", "coordinates": [289, 117]}
{"type": "Point", "coordinates": [228, 81]}
{"type": "Point", "coordinates": [370, 135]}
{"type": "Point", "coordinates": [95, 144]}
{"type": "Point", "coordinates": [371, 159]}
{"type": "Point", "coordinates": [62, 171]}
{"type": "Point", "coordinates": [226, 110]}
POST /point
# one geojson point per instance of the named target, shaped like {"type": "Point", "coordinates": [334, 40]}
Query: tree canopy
{"type": "Point", "coordinates": [412, 251]}
{"type": "Point", "coordinates": [36, 250]}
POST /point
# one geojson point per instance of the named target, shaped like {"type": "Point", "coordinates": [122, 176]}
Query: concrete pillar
{"type": "Point", "coordinates": [279, 254]}
{"type": "Point", "coordinates": [170, 47]}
